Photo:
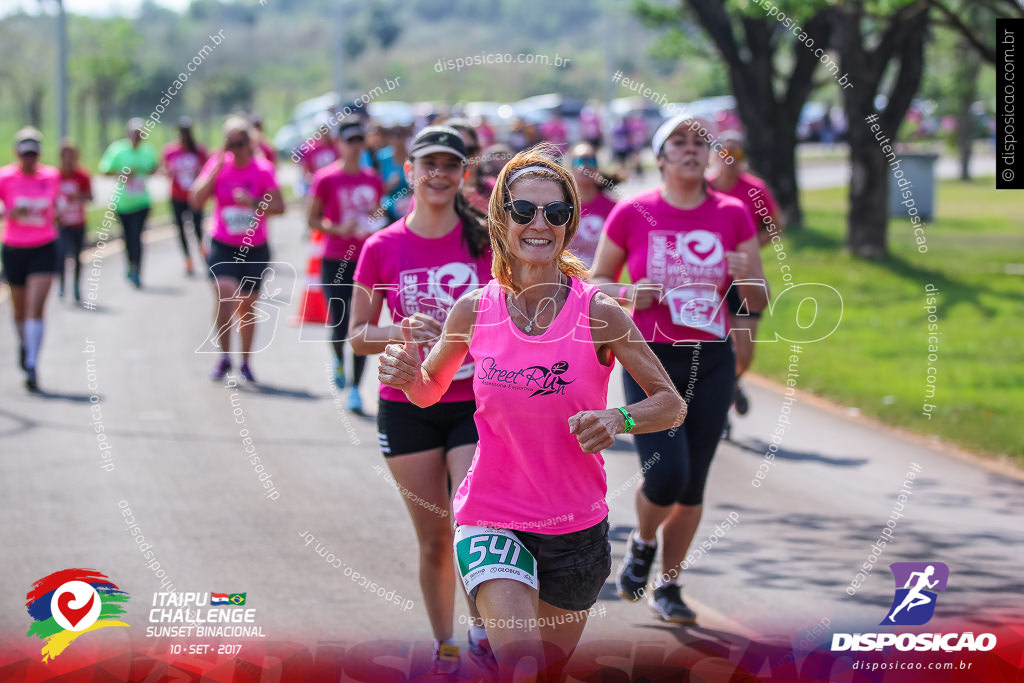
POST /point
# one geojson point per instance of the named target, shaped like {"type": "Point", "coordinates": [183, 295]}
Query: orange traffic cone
{"type": "Point", "coordinates": [313, 306]}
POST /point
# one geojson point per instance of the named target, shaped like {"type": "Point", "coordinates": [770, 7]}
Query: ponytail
{"type": "Point", "coordinates": [474, 231]}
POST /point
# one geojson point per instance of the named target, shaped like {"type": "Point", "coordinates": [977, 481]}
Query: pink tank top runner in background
{"type": "Point", "coordinates": [529, 473]}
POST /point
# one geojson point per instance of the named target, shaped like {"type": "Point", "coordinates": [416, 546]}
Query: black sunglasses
{"type": "Point", "coordinates": [523, 211]}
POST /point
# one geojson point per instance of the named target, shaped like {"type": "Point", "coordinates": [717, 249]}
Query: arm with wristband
{"type": "Point", "coordinates": [615, 335]}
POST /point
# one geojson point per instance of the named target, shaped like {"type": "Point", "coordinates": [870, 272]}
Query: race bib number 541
{"type": "Point", "coordinates": [484, 553]}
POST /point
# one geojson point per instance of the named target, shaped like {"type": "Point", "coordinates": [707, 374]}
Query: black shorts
{"type": "Point", "coordinates": [404, 428]}
{"type": "Point", "coordinates": [571, 568]}
{"type": "Point", "coordinates": [20, 262]}
{"type": "Point", "coordinates": [251, 268]}
{"type": "Point", "coordinates": [733, 301]}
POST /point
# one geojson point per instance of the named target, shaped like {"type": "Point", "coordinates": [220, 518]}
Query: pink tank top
{"type": "Point", "coordinates": [529, 472]}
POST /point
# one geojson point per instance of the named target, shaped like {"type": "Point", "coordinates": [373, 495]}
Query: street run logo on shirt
{"type": "Point", "coordinates": [544, 381]}
{"type": "Point", "coordinates": [917, 588]}
{"type": "Point", "coordinates": [70, 603]}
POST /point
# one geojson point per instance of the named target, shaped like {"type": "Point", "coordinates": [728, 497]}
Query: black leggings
{"type": "Point", "coordinates": [134, 223]}
{"type": "Point", "coordinates": [180, 208]}
{"type": "Point", "coordinates": [676, 461]}
{"type": "Point", "coordinates": [336, 277]}
{"type": "Point", "coordinates": [69, 245]}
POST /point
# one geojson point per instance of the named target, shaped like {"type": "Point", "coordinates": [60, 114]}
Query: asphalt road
{"type": "Point", "coordinates": [177, 460]}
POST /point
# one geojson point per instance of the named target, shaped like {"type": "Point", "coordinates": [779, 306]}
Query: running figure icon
{"type": "Point", "coordinates": [915, 597]}
{"type": "Point", "coordinates": [918, 584]}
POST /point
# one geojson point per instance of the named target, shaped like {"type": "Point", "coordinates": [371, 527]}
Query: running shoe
{"type": "Point", "coordinates": [189, 269]}
{"type": "Point", "coordinates": [78, 294]}
{"type": "Point", "coordinates": [31, 382]}
{"type": "Point", "coordinates": [134, 278]}
{"type": "Point", "coordinates": [246, 373]}
{"type": "Point", "coordinates": [355, 401]}
{"type": "Point", "coordinates": [740, 401]}
{"type": "Point", "coordinates": [636, 567]}
{"type": "Point", "coordinates": [481, 653]}
{"type": "Point", "coordinates": [446, 659]}
{"type": "Point", "coordinates": [221, 370]}
{"type": "Point", "coordinates": [667, 602]}
{"type": "Point", "coordinates": [339, 374]}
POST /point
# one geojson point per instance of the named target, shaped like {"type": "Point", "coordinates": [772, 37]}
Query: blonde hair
{"type": "Point", "coordinates": [543, 156]}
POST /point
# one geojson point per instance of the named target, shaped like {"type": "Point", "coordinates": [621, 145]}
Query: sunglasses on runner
{"type": "Point", "coordinates": [523, 211]}
{"type": "Point", "coordinates": [589, 162]}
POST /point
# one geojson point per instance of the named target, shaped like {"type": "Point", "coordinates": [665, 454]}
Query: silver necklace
{"type": "Point", "coordinates": [531, 321]}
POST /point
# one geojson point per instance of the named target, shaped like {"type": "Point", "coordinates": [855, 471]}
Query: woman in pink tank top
{"type": "Point", "coordinates": [532, 537]}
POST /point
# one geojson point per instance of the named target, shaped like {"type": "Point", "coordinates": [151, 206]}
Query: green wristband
{"type": "Point", "coordinates": [629, 421]}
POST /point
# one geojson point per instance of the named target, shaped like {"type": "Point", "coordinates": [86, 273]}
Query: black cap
{"type": "Point", "coordinates": [350, 128]}
{"type": "Point", "coordinates": [433, 139]}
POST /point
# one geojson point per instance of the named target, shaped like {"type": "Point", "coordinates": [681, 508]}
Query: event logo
{"type": "Point", "coordinates": [702, 248]}
{"type": "Point", "coordinates": [68, 603]}
{"type": "Point", "coordinates": [916, 586]}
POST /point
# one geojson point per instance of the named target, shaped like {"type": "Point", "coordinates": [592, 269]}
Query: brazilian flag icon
{"type": "Point", "coordinates": [237, 598]}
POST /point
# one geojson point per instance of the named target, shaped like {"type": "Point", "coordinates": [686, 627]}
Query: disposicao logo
{"type": "Point", "coordinates": [68, 603]}
{"type": "Point", "coordinates": [917, 587]}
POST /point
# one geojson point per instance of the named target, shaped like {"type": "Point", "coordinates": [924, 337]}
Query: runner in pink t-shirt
{"type": "Point", "coordinates": [684, 244]}
{"type": "Point", "coordinates": [532, 535]}
{"type": "Point", "coordinates": [245, 192]}
{"type": "Point", "coordinates": [182, 161]}
{"type": "Point", "coordinates": [420, 266]}
{"type": "Point", "coordinates": [28, 195]}
{"type": "Point", "coordinates": [345, 206]}
{"type": "Point", "coordinates": [732, 179]}
{"type": "Point", "coordinates": [595, 205]}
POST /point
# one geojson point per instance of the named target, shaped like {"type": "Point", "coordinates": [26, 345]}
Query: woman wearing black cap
{"type": "Point", "coordinates": [182, 161]}
{"type": "Point", "coordinates": [344, 200]}
{"type": "Point", "coordinates": [28, 193]}
{"type": "Point", "coordinates": [421, 265]}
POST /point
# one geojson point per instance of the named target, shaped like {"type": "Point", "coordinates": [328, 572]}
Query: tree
{"type": "Point", "coordinates": [27, 64]}
{"type": "Point", "coordinates": [899, 46]}
{"type": "Point", "coordinates": [769, 97]}
{"type": "Point", "coordinates": [103, 64]}
{"type": "Point", "coordinates": [963, 16]}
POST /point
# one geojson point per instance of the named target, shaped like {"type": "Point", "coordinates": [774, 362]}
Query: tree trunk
{"type": "Point", "coordinates": [869, 187]}
{"type": "Point", "coordinates": [970, 67]}
{"type": "Point", "coordinates": [902, 42]}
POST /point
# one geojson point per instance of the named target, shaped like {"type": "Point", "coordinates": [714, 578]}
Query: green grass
{"type": "Point", "coordinates": [877, 359]}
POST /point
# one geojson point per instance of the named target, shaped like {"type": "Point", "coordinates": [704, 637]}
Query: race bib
{"type": "Point", "coordinates": [135, 185]}
{"type": "Point", "coordinates": [238, 219]}
{"type": "Point", "coordinates": [698, 307]}
{"type": "Point", "coordinates": [35, 216]}
{"type": "Point", "coordinates": [185, 178]}
{"type": "Point", "coordinates": [484, 553]}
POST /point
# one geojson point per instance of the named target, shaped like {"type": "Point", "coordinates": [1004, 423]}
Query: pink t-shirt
{"type": "Point", "coordinates": [748, 189]}
{"type": "Point", "coordinates": [344, 195]}
{"type": "Point", "coordinates": [423, 275]}
{"type": "Point", "coordinates": [529, 472]}
{"type": "Point", "coordinates": [183, 167]}
{"type": "Point", "coordinates": [38, 193]}
{"type": "Point", "coordinates": [322, 154]}
{"type": "Point", "coordinates": [70, 211]}
{"type": "Point", "coordinates": [232, 221]}
{"type": "Point", "coordinates": [683, 251]}
{"type": "Point", "coordinates": [592, 217]}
